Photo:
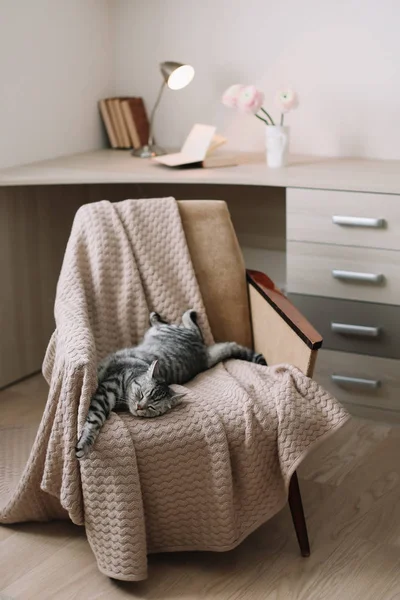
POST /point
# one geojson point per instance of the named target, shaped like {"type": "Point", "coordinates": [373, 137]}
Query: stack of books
{"type": "Point", "coordinates": [125, 121]}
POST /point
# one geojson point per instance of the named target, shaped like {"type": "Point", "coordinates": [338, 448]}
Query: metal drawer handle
{"type": "Point", "coordinates": [355, 329]}
{"type": "Point", "coordinates": [357, 381]}
{"type": "Point", "coordinates": [356, 276]}
{"type": "Point", "coordinates": [358, 221]}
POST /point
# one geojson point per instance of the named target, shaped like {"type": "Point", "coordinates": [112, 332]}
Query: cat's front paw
{"type": "Point", "coordinates": [81, 450]}
{"type": "Point", "coordinates": [141, 413]}
{"type": "Point", "coordinates": [150, 413]}
{"type": "Point", "coordinates": [259, 359]}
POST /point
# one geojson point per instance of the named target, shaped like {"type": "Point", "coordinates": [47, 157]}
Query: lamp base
{"type": "Point", "coordinates": [148, 151]}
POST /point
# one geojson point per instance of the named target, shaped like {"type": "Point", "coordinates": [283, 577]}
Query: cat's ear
{"type": "Point", "coordinates": [178, 397]}
{"type": "Point", "coordinates": [153, 369]}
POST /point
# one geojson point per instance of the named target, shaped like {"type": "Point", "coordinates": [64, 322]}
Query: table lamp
{"type": "Point", "coordinates": [176, 76]}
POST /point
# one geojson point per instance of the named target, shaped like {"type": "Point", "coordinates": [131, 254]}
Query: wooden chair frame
{"type": "Point", "coordinates": [293, 325]}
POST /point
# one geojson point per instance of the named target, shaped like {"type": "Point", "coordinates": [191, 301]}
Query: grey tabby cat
{"type": "Point", "coordinates": [137, 379]}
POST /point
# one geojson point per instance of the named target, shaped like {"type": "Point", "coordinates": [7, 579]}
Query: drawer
{"type": "Point", "coordinates": [344, 218]}
{"type": "Point", "coordinates": [350, 326]}
{"type": "Point", "coordinates": [311, 268]}
{"type": "Point", "coordinates": [378, 385]}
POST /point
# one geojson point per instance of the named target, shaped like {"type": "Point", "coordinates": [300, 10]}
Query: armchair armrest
{"type": "Point", "coordinates": [280, 331]}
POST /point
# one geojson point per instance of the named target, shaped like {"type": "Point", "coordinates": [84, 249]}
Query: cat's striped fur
{"type": "Point", "coordinates": [137, 379]}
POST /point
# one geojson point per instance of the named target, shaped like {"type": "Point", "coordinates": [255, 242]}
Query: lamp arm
{"type": "Point", "coordinates": [153, 112]}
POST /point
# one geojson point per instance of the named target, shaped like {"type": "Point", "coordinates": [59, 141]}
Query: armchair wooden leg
{"type": "Point", "coordinates": [299, 521]}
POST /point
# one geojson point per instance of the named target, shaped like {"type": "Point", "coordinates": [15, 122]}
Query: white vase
{"type": "Point", "coordinates": [277, 145]}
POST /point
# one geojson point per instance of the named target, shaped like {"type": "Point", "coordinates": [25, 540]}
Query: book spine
{"type": "Point", "coordinates": [122, 127]}
{"type": "Point", "coordinates": [130, 124]}
{"type": "Point", "coordinates": [114, 121]}
{"type": "Point", "coordinates": [107, 123]}
{"type": "Point", "coordinates": [139, 116]}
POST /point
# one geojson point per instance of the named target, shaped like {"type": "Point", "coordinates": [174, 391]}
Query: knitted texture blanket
{"type": "Point", "coordinates": [201, 477]}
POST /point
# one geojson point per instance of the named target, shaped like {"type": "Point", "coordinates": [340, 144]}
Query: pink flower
{"type": "Point", "coordinates": [250, 99]}
{"type": "Point", "coordinates": [230, 96]}
{"type": "Point", "coordinates": [286, 100]}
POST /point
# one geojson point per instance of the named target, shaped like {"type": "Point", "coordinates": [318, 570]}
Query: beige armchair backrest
{"type": "Point", "coordinates": [219, 267]}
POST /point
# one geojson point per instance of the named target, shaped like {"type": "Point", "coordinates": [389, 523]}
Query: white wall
{"type": "Point", "coordinates": [58, 57]}
{"type": "Point", "coordinates": [342, 56]}
{"type": "Point", "coordinates": [56, 61]}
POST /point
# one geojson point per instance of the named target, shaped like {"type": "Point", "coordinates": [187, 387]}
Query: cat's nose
{"type": "Point", "coordinates": [141, 405]}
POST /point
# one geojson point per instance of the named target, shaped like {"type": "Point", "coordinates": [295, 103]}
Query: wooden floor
{"type": "Point", "coordinates": [351, 493]}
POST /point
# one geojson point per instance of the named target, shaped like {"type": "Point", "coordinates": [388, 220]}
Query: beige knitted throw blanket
{"type": "Point", "coordinates": [201, 477]}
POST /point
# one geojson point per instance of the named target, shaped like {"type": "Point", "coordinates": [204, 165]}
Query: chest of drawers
{"type": "Point", "coordinates": [343, 272]}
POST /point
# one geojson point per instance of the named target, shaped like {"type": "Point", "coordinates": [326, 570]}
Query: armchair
{"type": "Point", "coordinates": [206, 476]}
{"type": "Point", "coordinates": [255, 313]}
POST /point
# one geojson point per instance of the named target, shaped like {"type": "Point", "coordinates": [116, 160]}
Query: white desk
{"type": "Point", "coordinates": [269, 208]}
{"type": "Point", "coordinates": [118, 166]}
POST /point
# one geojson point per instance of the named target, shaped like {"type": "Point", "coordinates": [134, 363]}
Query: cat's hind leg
{"type": "Point", "coordinates": [219, 352]}
{"type": "Point", "coordinates": [155, 319]}
{"type": "Point", "coordinates": [189, 320]}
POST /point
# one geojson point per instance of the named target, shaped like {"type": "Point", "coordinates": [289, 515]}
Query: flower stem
{"type": "Point", "coordinates": [282, 116]}
{"type": "Point", "coordinates": [261, 119]}
{"type": "Point", "coordinates": [269, 116]}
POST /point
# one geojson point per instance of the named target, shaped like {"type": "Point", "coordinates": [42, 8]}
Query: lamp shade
{"type": "Point", "coordinates": [176, 75]}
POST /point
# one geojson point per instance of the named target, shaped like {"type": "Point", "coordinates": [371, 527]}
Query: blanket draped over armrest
{"type": "Point", "coordinates": [201, 477]}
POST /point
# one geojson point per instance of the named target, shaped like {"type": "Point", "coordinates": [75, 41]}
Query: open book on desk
{"type": "Point", "coordinates": [198, 151]}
